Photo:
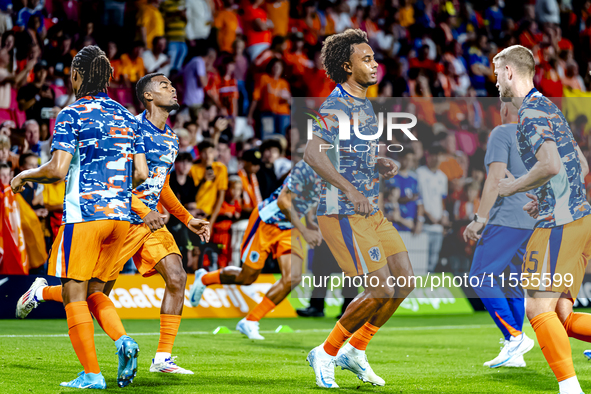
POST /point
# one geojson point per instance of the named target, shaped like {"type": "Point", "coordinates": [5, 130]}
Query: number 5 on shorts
{"type": "Point", "coordinates": [534, 260]}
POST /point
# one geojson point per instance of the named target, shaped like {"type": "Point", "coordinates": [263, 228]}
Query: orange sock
{"type": "Point", "coordinates": [261, 310]}
{"type": "Point", "coordinates": [336, 339]}
{"type": "Point", "coordinates": [169, 326]}
{"type": "Point", "coordinates": [211, 278]}
{"type": "Point", "coordinates": [81, 332]}
{"type": "Point", "coordinates": [578, 325]}
{"type": "Point", "coordinates": [361, 338]}
{"type": "Point", "coordinates": [52, 293]}
{"type": "Point", "coordinates": [555, 344]}
{"type": "Point", "coordinates": [104, 312]}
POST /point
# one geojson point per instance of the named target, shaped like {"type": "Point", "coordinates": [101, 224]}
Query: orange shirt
{"type": "Point", "coordinates": [253, 37]}
{"type": "Point", "coordinates": [278, 12]}
{"type": "Point", "coordinates": [251, 195]}
{"type": "Point", "coordinates": [208, 191]}
{"type": "Point", "coordinates": [451, 168]}
{"type": "Point", "coordinates": [226, 21]}
{"type": "Point", "coordinates": [297, 62]}
{"type": "Point", "coordinates": [228, 91]}
{"type": "Point", "coordinates": [268, 91]}
{"type": "Point", "coordinates": [134, 69]}
{"type": "Point", "coordinates": [318, 83]}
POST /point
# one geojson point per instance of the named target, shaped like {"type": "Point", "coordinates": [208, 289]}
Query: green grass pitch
{"type": "Point", "coordinates": [438, 354]}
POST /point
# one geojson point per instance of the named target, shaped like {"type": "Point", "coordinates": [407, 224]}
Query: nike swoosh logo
{"type": "Point", "coordinates": [3, 281]}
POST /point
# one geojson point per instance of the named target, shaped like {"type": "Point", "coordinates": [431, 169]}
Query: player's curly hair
{"type": "Point", "coordinates": [337, 49]}
{"type": "Point", "coordinates": [95, 70]}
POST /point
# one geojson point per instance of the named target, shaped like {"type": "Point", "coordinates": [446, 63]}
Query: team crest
{"type": "Point", "coordinates": [374, 254]}
{"type": "Point", "coordinates": [254, 257]}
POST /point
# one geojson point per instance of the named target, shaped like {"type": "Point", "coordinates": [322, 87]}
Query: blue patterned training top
{"type": "Point", "coordinates": [355, 159]}
{"type": "Point", "coordinates": [269, 211]}
{"type": "Point", "coordinates": [305, 187]}
{"type": "Point", "coordinates": [102, 137]}
{"type": "Point", "coordinates": [162, 148]}
{"type": "Point", "coordinates": [562, 200]}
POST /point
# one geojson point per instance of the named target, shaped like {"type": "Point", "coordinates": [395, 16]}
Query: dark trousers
{"type": "Point", "coordinates": [325, 264]}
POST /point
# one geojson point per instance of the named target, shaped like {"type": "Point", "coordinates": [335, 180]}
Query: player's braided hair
{"type": "Point", "coordinates": [95, 70]}
{"type": "Point", "coordinates": [337, 49]}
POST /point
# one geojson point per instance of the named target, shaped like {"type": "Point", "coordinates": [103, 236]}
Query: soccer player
{"type": "Point", "coordinates": [97, 146]}
{"type": "Point", "coordinates": [150, 244]}
{"type": "Point", "coordinates": [270, 231]}
{"type": "Point", "coordinates": [360, 238]}
{"type": "Point", "coordinates": [502, 243]}
{"type": "Point", "coordinates": [558, 250]}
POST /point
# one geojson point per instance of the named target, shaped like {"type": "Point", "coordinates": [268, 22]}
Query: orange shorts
{"type": "Point", "coordinates": [556, 258]}
{"type": "Point", "coordinates": [359, 244]}
{"type": "Point", "coordinates": [296, 243]}
{"type": "Point", "coordinates": [260, 239]}
{"type": "Point", "coordinates": [87, 250]}
{"type": "Point", "coordinates": [147, 249]}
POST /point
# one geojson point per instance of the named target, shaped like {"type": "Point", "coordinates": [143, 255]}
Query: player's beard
{"type": "Point", "coordinates": [172, 107]}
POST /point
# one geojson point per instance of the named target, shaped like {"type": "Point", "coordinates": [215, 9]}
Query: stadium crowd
{"type": "Point", "coordinates": [237, 65]}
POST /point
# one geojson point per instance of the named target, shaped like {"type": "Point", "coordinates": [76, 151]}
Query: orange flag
{"type": "Point", "coordinates": [33, 232]}
{"type": "Point", "coordinates": [13, 254]}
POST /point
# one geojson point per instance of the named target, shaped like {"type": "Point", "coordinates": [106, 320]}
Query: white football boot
{"type": "Point", "coordinates": [513, 348]}
{"type": "Point", "coordinates": [323, 365]}
{"type": "Point", "coordinates": [168, 366]}
{"type": "Point", "coordinates": [249, 328]}
{"type": "Point", "coordinates": [29, 301]}
{"type": "Point", "coordinates": [356, 361]}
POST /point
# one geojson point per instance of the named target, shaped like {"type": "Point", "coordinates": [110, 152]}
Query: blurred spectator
{"type": "Point", "coordinates": [494, 18]}
{"type": "Point", "coordinates": [184, 140]}
{"type": "Point", "coordinates": [433, 191]}
{"type": "Point", "coordinates": [465, 208]}
{"type": "Point", "coordinates": [257, 28]}
{"type": "Point", "coordinates": [449, 164]}
{"type": "Point", "coordinates": [32, 133]}
{"type": "Point", "coordinates": [317, 82]}
{"type": "Point", "coordinates": [572, 79]}
{"type": "Point", "coordinates": [6, 174]}
{"type": "Point", "coordinates": [30, 8]}
{"type": "Point", "coordinates": [228, 88]}
{"type": "Point", "coordinates": [33, 192]}
{"type": "Point", "coordinates": [5, 16]}
{"type": "Point", "coordinates": [155, 60]}
{"type": "Point", "coordinates": [227, 25]}
{"type": "Point", "coordinates": [230, 212]}
{"type": "Point", "coordinates": [199, 20]}
{"type": "Point", "coordinates": [150, 22]}
{"type": "Point", "coordinates": [282, 164]}
{"type": "Point", "coordinates": [132, 65]}
{"type": "Point", "coordinates": [224, 156]}
{"type": "Point", "coordinates": [274, 94]}
{"type": "Point", "coordinates": [547, 11]}
{"type": "Point", "coordinates": [240, 70]}
{"type": "Point", "coordinates": [278, 14]}
{"type": "Point", "coordinates": [6, 156]}
{"type": "Point", "coordinates": [211, 180]}
{"type": "Point", "coordinates": [35, 96]}
{"type": "Point", "coordinates": [479, 65]}
{"type": "Point", "coordinates": [180, 182]}
{"type": "Point", "coordinates": [113, 14]}
{"type": "Point", "coordinates": [115, 60]}
{"type": "Point", "coordinates": [251, 195]}
{"type": "Point", "coordinates": [408, 199]}
{"type": "Point", "coordinates": [270, 151]}
{"type": "Point", "coordinates": [59, 59]}
{"type": "Point", "coordinates": [175, 24]}
{"type": "Point", "coordinates": [195, 79]}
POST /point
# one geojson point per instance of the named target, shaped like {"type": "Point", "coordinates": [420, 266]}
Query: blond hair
{"type": "Point", "coordinates": [4, 142]}
{"type": "Point", "coordinates": [519, 57]}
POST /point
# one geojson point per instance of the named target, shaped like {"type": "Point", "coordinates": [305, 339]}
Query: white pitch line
{"type": "Point", "coordinates": [139, 334]}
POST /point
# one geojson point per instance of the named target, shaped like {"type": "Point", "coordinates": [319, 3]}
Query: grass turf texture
{"type": "Point", "coordinates": [438, 354]}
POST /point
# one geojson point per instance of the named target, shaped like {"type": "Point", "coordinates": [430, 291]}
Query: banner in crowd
{"type": "Point", "coordinates": [136, 297]}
